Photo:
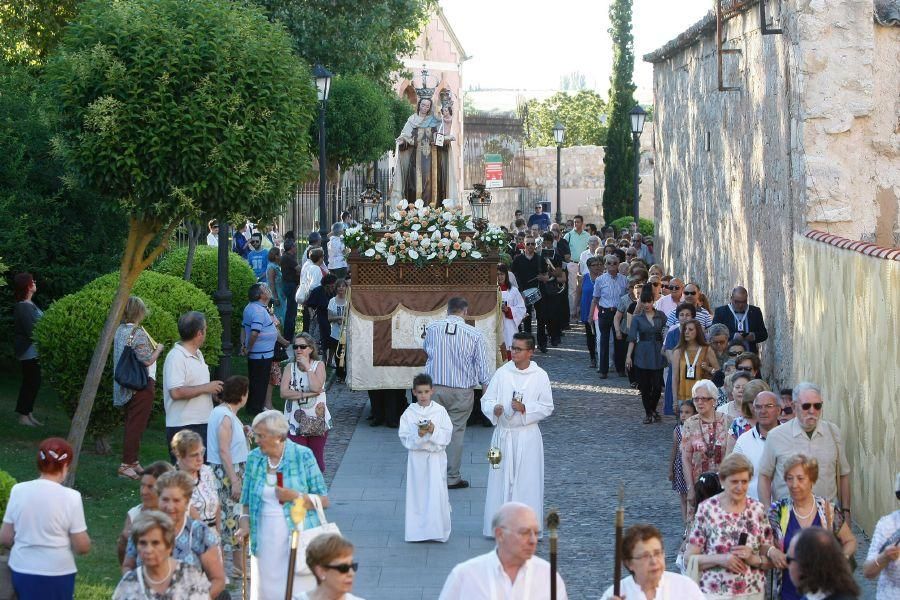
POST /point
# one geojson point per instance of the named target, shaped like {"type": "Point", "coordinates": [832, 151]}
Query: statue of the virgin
{"type": "Point", "coordinates": [412, 174]}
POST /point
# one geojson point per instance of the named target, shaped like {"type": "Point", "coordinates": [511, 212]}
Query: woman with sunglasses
{"type": "Point", "coordinates": [330, 558]}
{"type": "Point", "coordinates": [303, 392]}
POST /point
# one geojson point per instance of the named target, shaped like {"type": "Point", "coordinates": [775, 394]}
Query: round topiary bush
{"type": "Point", "coordinates": [7, 482]}
{"type": "Point", "coordinates": [205, 275]}
{"type": "Point", "coordinates": [67, 333]}
{"type": "Point", "coordinates": [645, 226]}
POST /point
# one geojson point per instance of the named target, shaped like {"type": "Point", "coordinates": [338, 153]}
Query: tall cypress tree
{"type": "Point", "coordinates": [619, 160]}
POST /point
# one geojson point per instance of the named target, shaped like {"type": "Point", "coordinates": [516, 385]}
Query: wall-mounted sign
{"type": "Point", "coordinates": [493, 171]}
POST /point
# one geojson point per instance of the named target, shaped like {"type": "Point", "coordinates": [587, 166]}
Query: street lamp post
{"type": "Point", "coordinates": [223, 300]}
{"type": "Point", "coordinates": [638, 115]}
{"type": "Point", "coordinates": [322, 77]}
{"type": "Point", "coordinates": [559, 134]}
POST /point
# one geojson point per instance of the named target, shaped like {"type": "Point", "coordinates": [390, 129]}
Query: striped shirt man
{"type": "Point", "coordinates": [608, 289]}
{"type": "Point", "coordinates": [703, 317]}
{"type": "Point", "coordinates": [456, 354]}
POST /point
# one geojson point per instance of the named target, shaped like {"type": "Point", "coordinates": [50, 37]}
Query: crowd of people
{"type": "Point", "coordinates": [760, 475]}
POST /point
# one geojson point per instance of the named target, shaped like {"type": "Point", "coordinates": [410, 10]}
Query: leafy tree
{"type": "Point", "coordinates": [358, 122]}
{"type": "Point", "coordinates": [400, 111]}
{"type": "Point", "coordinates": [579, 113]}
{"type": "Point", "coordinates": [177, 108]}
{"type": "Point", "coordinates": [351, 37]}
{"type": "Point", "coordinates": [59, 234]}
{"type": "Point", "coordinates": [619, 160]}
{"type": "Point", "coordinates": [30, 29]}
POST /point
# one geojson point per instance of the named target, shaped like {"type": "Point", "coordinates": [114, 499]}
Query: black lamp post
{"type": "Point", "coordinates": [559, 134]}
{"type": "Point", "coordinates": [223, 301]}
{"type": "Point", "coordinates": [323, 86]}
{"type": "Point", "coordinates": [638, 115]}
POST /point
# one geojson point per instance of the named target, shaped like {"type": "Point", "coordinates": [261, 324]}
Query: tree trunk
{"type": "Point", "coordinates": [134, 262]}
{"type": "Point", "coordinates": [194, 232]}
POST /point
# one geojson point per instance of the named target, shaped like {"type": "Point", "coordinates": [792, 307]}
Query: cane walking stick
{"type": "Point", "coordinates": [244, 570]}
{"type": "Point", "coordinates": [298, 513]}
{"type": "Point", "coordinates": [553, 526]}
{"type": "Point", "coordinates": [620, 525]}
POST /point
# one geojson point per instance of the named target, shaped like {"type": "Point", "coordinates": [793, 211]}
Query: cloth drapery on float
{"type": "Point", "coordinates": [390, 306]}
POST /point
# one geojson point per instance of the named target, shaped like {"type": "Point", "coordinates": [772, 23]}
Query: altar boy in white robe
{"type": "Point", "coordinates": [425, 430]}
{"type": "Point", "coordinates": [516, 399]}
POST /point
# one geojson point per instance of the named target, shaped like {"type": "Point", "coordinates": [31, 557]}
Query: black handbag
{"type": "Point", "coordinates": [130, 372]}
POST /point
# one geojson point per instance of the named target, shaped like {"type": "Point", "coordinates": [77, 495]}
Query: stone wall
{"type": "Point", "coordinates": [722, 176]}
{"type": "Point", "coordinates": [858, 373]}
{"type": "Point", "coordinates": [809, 140]}
{"type": "Point", "coordinates": [582, 178]}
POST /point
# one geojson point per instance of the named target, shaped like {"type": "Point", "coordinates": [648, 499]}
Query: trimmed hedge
{"type": "Point", "coordinates": [645, 226]}
{"type": "Point", "coordinates": [205, 275]}
{"type": "Point", "coordinates": [7, 482]}
{"type": "Point", "coordinates": [68, 332]}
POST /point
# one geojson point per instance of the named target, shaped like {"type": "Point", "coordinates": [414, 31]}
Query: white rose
{"type": "Point", "coordinates": [419, 203]}
{"type": "Point", "coordinates": [412, 253]}
{"type": "Point", "coordinates": [370, 252]}
{"type": "Point", "coordinates": [452, 254]}
{"type": "Point", "coordinates": [391, 259]}
{"type": "Point", "coordinates": [447, 216]}
{"type": "Point", "coordinates": [416, 227]}
{"type": "Point", "coordinates": [396, 215]}
{"type": "Point", "coordinates": [454, 234]}
{"type": "Point", "coordinates": [475, 254]}
{"type": "Point", "coordinates": [430, 256]}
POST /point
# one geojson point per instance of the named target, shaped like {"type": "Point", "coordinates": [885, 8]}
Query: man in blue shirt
{"type": "Point", "coordinates": [539, 218]}
{"type": "Point", "coordinates": [258, 257]}
{"type": "Point", "coordinates": [608, 288]}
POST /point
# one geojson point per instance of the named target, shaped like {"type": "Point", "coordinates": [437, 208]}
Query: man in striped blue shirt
{"type": "Point", "coordinates": [457, 362]}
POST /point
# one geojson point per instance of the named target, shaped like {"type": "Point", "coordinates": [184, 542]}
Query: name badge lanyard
{"type": "Point", "coordinates": [741, 324]}
{"type": "Point", "coordinates": [691, 367]}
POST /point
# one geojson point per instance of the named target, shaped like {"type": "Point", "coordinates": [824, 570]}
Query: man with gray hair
{"type": "Point", "coordinates": [187, 389]}
{"type": "Point", "coordinates": [643, 252]}
{"type": "Point", "coordinates": [457, 363]}
{"type": "Point", "coordinates": [751, 443]}
{"type": "Point", "coordinates": [810, 434]}
{"type": "Point", "coordinates": [592, 246]}
{"type": "Point", "coordinates": [511, 568]}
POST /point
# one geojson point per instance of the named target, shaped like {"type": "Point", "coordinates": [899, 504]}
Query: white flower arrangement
{"type": "Point", "coordinates": [420, 233]}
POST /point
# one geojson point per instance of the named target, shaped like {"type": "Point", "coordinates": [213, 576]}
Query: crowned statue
{"type": "Point", "coordinates": [425, 165]}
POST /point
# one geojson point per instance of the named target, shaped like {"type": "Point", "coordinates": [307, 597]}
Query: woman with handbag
{"type": "Point", "coordinates": [789, 516]}
{"type": "Point", "coordinates": [303, 392]}
{"type": "Point", "coordinates": [137, 403]}
{"type": "Point", "coordinates": [278, 473]}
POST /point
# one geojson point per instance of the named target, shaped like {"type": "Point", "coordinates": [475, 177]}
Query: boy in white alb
{"type": "Point", "coordinates": [425, 430]}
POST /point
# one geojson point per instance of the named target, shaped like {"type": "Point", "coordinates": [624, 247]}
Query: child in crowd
{"type": "Point", "coordinates": [425, 431]}
{"type": "Point", "coordinates": [676, 470]}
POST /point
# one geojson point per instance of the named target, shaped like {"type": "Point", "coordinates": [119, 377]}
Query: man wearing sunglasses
{"type": "Point", "coordinates": [670, 302]}
{"type": "Point", "coordinates": [744, 321]}
{"type": "Point", "coordinates": [691, 296]}
{"type": "Point", "coordinates": [526, 267]}
{"type": "Point", "coordinates": [808, 433]}
{"type": "Point", "coordinates": [751, 443]}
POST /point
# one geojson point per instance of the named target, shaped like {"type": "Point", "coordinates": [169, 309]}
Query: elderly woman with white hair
{"type": "Point", "coordinates": [704, 435]}
{"type": "Point", "coordinates": [278, 473]}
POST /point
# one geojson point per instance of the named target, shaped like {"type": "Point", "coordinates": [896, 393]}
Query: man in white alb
{"type": "Point", "coordinates": [517, 398]}
{"type": "Point", "coordinates": [510, 571]}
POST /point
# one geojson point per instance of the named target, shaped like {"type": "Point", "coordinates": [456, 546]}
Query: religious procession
{"type": "Point", "coordinates": [485, 346]}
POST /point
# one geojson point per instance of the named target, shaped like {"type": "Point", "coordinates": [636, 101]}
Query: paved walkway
{"type": "Point", "coordinates": [593, 442]}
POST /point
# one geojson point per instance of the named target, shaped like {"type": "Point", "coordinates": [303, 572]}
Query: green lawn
{"type": "Point", "coordinates": [106, 497]}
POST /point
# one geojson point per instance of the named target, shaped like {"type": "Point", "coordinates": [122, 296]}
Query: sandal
{"type": "Point", "coordinates": [128, 471]}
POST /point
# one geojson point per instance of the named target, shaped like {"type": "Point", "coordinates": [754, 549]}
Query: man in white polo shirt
{"type": "Point", "coordinates": [767, 408]}
{"type": "Point", "coordinates": [187, 390]}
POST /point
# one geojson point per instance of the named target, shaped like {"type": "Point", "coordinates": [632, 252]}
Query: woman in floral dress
{"type": "Point", "coordinates": [730, 534]}
{"type": "Point", "coordinates": [704, 436]}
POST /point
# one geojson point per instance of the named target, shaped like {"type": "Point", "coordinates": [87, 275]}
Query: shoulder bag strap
{"type": "Point", "coordinates": [320, 511]}
{"type": "Point", "coordinates": [837, 464]}
{"type": "Point", "coordinates": [133, 333]}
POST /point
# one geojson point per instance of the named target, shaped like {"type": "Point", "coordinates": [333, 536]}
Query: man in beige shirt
{"type": "Point", "coordinates": [813, 436]}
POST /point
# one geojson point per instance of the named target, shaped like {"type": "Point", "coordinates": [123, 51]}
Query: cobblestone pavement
{"type": "Point", "coordinates": [593, 443]}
